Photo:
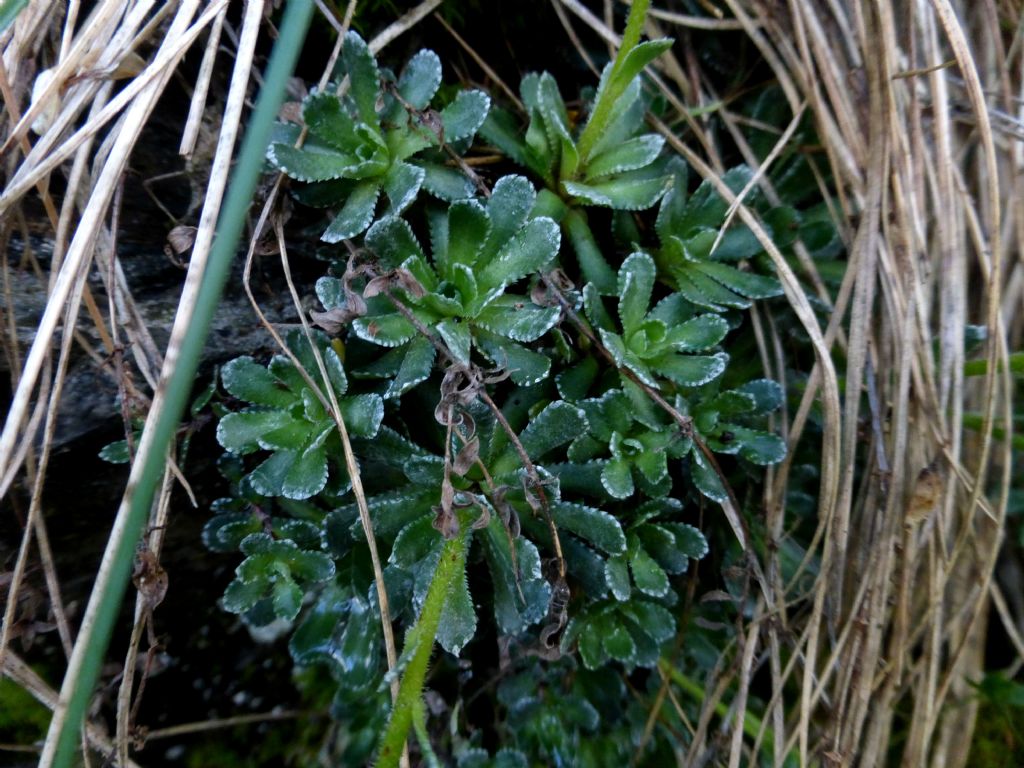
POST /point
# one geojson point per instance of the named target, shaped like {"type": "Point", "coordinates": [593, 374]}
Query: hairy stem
{"type": "Point", "coordinates": [421, 640]}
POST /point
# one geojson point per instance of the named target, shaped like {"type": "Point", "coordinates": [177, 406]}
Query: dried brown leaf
{"type": "Point", "coordinates": [466, 457]}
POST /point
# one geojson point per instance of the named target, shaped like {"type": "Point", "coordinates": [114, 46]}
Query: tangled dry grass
{"type": "Point", "coordinates": [918, 106]}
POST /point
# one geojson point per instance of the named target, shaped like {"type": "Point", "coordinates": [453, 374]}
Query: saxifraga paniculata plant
{"type": "Point", "coordinates": [536, 424]}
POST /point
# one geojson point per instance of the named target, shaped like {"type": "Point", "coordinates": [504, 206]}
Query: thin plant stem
{"type": "Point", "coordinates": [421, 640]}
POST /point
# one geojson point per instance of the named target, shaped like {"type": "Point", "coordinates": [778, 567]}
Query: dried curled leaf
{"type": "Point", "coordinates": [150, 578]}
{"type": "Point", "coordinates": [927, 493]}
{"type": "Point", "coordinates": [466, 457]}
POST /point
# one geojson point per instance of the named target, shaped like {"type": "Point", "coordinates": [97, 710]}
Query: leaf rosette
{"type": "Point", "coordinates": [619, 171]}
{"type": "Point", "coordinates": [273, 574]}
{"type": "Point", "coordinates": [478, 251]}
{"type": "Point", "coordinates": [630, 450]}
{"type": "Point", "coordinates": [381, 137]}
{"type": "Point", "coordinates": [292, 421]}
{"type": "Point", "coordinates": [699, 258]}
{"type": "Point", "coordinates": [656, 344]}
{"type": "Point", "coordinates": [732, 422]}
{"type": "Point", "coordinates": [631, 627]}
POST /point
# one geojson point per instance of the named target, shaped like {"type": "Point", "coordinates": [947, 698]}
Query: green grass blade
{"type": "Point", "coordinates": [9, 10]}
{"type": "Point", "coordinates": [239, 196]}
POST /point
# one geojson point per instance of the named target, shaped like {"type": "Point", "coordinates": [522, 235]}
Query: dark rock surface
{"type": "Point", "coordinates": [89, 399]}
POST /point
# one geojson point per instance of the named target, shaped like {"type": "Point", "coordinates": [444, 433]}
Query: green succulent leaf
{"type": "Point", "coordinates": [705, 292]}
{"type": "Point", "coordinates": [608, 415]}
{"type": "Point", "coordinates": [649, 577]}
{"type": "Point", "coordinates": [762, 448]}
{"type": "Point", "coordinates": [626, 122]}
{"type": "Point", "coordinates": [465, 114]}
{"type": "Point", "coordinates": [627, 358]}
{"type": "Point", "coordinates": [458, 618]}
{"type": "Point", "coordinates": [635, 61]}
{"type": "Point", "coordinates": [390, 513]}
{"type": "Point", "coordinates": [673, 204]}
{"type": "Point", "coordinates": [356, 214]}
{"type": "Point", "coordinates": [705, 478]}
{"type": "Point", "coordinates": [324, 115]}
{"type": "Point", "coordinates": [417, 363]}
{"type": "Point", "coordinates": [731, 403]}
{"type": "Point", "coordinates": [528, 251]}
{"type": "Point", "coordinates": [462, 277]}
{"type": "Point", "coordinates": [294, 435]}
{"type": "Point", "coordinates": [573, 383]}
{"type": "Point", "coordinates": [341, 631]}
{"type": "Point", "coordinates": [225, 532]}
{"type": "Point", "coordinates": [273, 569]}
{"type": "Point", "coordinates": [116, 452]}
{"type": "Point", "coordinates": [617, 575]}
{"type": "Point", "coordinates": [767, 394]}
{"type": "Point", "coordinates": [525, 366]}
{"type": "Point", "coordinates": [390, 330]}
{"type": "Point", "coordinates": [594, 307]}
{"type": "Point", "coordinates": [292, 474]}
{"type": "Point", "coordinates": [247, 380]}
{"type": "Point", "coordinates": [636, 282]}
{"type": "Point", "coordinates": [364, 79]}
{"type": "Point", "coordinates": [698, 334]}
{"type": "Point", "coordinates": [457, 337]}
{"type": "Point", "coordinates": [738, 243]}
{"type": "Point", "coordinates": [393, 242]}
{"type": "Point", "coordinates": [618, 643]}
{"type": "Point", "coordinates": [690, 370]}
{"type": "Point", "coordinates": [319, 162]}
{"type": "Point", "coordinates": [508, 207]}
{"type": "Point", "coordinates": [402, 184]}
{"type": "Point", "coordinates": [653, 464]}
{"type": "Point", "coordinates": [706, 209]}
{"type": "Point", "coordinates": [591, 648]}
{"type": "Point", "coordinates": [240, 596]}
{"type": "Point", "coordinates": [552, 428]}
{"type": "Point", "coordinates": [445, 183]}
{"type": "Point", "coordinates": [420, 79]}
{"type": "Point", "coordinates": [661, 544]}
{"type": "Point", "coordinates": [617, 478]}
{"type": "Point", "coordinates": [240, 432]}
{"type": "Point", "coordinates": [689, 540]}
{"type": "Point", "coordinates": [625, 193]}
{"type": "Point", "coordinates": [614, 86]}
{"type": "Point", "coordinates": [520, 596]}
{"type": "Point", "coordinates": [362, 414]}
{"type": "Point", "coordinates": [594, 525]}
{"type": "Point", "coordinates": [518, 320]}
{"type": "Point", "coordinates": [302, 348]}
{"type": "Point", "coordinates": [415, 541]}
{"type": "Point", "coordinates": [586, 567]}
{"type": "Point", "coordinates": [629, 155]}
{"type": "Point", "coordinates": [286, 597]}
{"type": "Point", "coordinates": [655, 620]}
{"type": "Point", "coordinates": [744, 283]}
{"type": "Point", "coordinates": [459, 237]}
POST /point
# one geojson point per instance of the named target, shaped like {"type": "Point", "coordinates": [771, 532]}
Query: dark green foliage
{"type": "Point", "coordinates": [357, 148]}
{"type": "Point", "coordinates": [289, 415]}
{"type": "Point", "coordinates": [554, 429]}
